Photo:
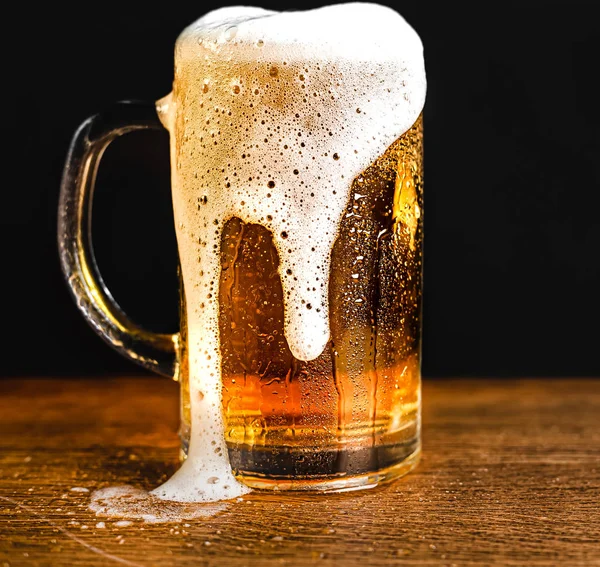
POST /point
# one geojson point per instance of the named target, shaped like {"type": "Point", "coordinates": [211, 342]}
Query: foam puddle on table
{"type": "Point", "coordinates": [138, 504]}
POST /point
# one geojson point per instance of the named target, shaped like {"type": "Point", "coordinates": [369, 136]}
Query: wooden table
{"type": "Point", "coordinates": [510, 475]}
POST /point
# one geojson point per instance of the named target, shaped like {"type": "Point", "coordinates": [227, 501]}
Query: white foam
{"type": "Point", "coordinates": [354, 31]}
{"type": "Point", "coordinates": [271, 117]}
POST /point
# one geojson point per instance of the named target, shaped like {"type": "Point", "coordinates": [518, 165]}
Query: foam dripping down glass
{"type": "Point", "coordinates": [297, 177]}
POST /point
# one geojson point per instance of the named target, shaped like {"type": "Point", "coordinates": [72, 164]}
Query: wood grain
{"type": "Point", "coordinates": [510, 475]}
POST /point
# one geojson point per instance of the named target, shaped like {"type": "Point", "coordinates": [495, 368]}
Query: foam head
{"type": "Point", "coordinates": [354, 31]}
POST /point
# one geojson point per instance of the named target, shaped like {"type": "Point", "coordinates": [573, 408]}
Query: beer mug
{"type": "Point", "coordinates": [297, 192]}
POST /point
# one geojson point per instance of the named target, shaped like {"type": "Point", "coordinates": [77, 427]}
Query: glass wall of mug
{"type": "Point", "coordinates": [351, 417]}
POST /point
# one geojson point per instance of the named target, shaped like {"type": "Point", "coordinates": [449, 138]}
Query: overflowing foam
{"type": "Point", "coordinates": [271, 117]}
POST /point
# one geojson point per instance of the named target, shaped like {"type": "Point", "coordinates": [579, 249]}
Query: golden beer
{"type": "Point", "coordinates": [359, 401]}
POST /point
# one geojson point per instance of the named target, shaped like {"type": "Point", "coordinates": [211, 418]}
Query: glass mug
{"type": "Point", "coordinates": [315, 369]}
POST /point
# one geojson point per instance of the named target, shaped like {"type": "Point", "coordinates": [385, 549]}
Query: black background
{"type": "Point", "coordinates": [512, 247]}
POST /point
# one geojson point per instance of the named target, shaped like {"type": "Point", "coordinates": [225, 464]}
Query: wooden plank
{"type": "Point", "coordinates": [510, 475]}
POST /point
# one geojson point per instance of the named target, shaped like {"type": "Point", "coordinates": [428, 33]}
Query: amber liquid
{"type": "Point", "coordinates": [355, 410]}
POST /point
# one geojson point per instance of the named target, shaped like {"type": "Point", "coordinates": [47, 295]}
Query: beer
{"type": "Point", "coordinates": [296, 151]}
{"type": "Point", "coordinates": [358, 401]}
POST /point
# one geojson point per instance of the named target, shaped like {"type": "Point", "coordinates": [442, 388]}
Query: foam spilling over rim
{"type": "Point", "coordinates": [272, 116]}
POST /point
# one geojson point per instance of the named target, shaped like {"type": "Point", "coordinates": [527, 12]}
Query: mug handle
{"type": "Point", "coordinates": [154, 351]}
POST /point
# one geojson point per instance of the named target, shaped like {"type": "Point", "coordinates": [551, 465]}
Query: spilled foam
{"type": "Point", "coordinates": [271, 117]}
{"type": "Point", "coordinates": [134, 503]}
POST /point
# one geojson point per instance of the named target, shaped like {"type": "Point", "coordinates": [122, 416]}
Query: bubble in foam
{"type": "Point", "coordinates": [282, 110]}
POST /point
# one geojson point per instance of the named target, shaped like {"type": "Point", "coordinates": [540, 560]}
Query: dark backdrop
{"type": "Point", "coordinates": [512, 203]}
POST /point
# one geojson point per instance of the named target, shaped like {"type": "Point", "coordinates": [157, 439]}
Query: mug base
{"type": "Point", "coordinates": [351, 478]}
